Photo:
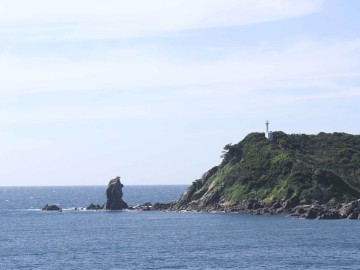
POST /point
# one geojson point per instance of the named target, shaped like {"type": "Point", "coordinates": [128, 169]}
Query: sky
{"type": "Point", "coordinates": [153, 90]}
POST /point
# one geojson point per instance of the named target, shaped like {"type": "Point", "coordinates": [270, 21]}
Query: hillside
{"type": "Point", "coordinates": [319, 168]}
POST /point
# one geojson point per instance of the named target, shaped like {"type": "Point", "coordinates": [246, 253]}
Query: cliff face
{"type": "Point", "coordinates": [322, 168]}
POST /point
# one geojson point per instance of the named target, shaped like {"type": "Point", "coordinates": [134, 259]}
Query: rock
{"type": "Point", "coordinates": [269, 204]}
{"type": "Point", "coordinates": [354, 215]}
{"type": "Point", "coordinates": [287, 205]}
{"type": "Point", "coordinates": [305, 202]}
{"type": "Point", "coordinates": [147, 204]}
{"type": "Point", "coordinates": [192, 194]}
{"type": "Point", "coordinates": [277, 205]}
{"type": "Point", "coordinates": [312, 213]}
{"type": "Point", "coordinates": [51, 207]}
{"type": "Point", "coordinates": [349, 208]}
{"type": "Point", "coordinates": [162, 206]}
{"type": "Point", "coordinates": [93, 207]}
{"type": "Point", "coordinates": [329, 215]}
{"type": "Point", "coordinates": [257, 205]}
{"type": "Point", "coordinates": [299, 210]}
{"type": "Point", "coordinates": [114, 196]}
{"type": "Point", "coordinates": [144, 207]}
{"type": "Point", "coordinates": [252, 205]}
{"type": "Point", "coordinates": [334, 204]}
{"type": "Point", "coordinates": [291, 203]}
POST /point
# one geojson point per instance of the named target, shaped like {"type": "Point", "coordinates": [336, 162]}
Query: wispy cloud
{"type": "Point", "coordinates": [296, 65]}
{"type": "Point", "coordinates": [98, 19]}
{"type": "Point", "coordinates": [230, 85]}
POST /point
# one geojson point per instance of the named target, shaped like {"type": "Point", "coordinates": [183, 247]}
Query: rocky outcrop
{"type": "Point", "coordinates": [194, 192]}
{"type": "Point", "coordinates": [354, 215]}
{"type": "Point", "coordinates": [51, 207]}
{"type": "Point", "coordinates": [154, 207]}
{"type": "Point", "coordinates": [292, 207]}
{"type": "Point", "coordinates": [114, 196]}
{"type": "Point", "coordinates": [349, 208]}
{"type": "Point", "coordinates": [94, 207]}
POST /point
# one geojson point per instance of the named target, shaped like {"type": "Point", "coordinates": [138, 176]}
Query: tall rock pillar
{"type": "Point", "coordinates": [114, 196]}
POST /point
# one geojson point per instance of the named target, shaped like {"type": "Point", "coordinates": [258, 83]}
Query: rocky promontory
{"type": "Point", "coordinates": [309, 176]}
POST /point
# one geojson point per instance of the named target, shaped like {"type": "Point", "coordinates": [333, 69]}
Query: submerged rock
{"type": "Point", "coordinates": [114, 196]}
{"type": "Point", "coordinates": [51, 207]}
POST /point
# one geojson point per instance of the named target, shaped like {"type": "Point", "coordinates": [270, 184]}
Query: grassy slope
{"type": "Point", "coordinates": [315, 167]}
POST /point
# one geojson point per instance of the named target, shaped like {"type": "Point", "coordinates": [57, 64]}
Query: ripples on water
{"type": "Point", "coordinates": [161, 240]}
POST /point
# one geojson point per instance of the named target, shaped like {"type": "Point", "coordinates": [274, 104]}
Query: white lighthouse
{"type": "Point", "coordinates": [269, 134]}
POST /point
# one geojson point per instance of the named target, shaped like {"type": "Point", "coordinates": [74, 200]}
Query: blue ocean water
{"type": "Point", "coordinates": [32, 239]}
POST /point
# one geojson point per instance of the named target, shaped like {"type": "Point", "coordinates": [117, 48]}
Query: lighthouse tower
{"type": "Point", "coordinates": [268, 134]}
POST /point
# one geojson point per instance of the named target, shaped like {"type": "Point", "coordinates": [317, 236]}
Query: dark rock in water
{"type": "Point", "coordinates": [349, 208]}
{"type": "Point", "coordinates": [144, 207]}
{"type": "Point", "coordinates": [94, 207]}
{"type": "Point", "coordinates": [312, 213]}
{"type": "Point", "coordinates": [114, 196]}
{"type": "Point", "coordinates": [156, 207]}
{"type": "Point", "coordinates": [51, 207]}
{"type": "Point", "coordinates": [354, 215]}
{"type": "Point", "coordinates": [163, 206]}
{"type": "Point", "coordinates": [329, 215]}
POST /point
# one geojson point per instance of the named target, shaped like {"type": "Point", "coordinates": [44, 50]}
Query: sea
{"type": "Point", "coordinates": [35, 239]}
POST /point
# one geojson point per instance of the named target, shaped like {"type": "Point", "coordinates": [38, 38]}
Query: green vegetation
{"type": "Point", "coordinates": [313, 167]}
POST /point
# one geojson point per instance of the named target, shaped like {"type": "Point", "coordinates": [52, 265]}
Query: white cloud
{"type": "Point", "coordinates": [299, 65]}
{"type": "Point", "coordinates": [101, 19]}
{"type": "Point", "coordinates": [231, 85]}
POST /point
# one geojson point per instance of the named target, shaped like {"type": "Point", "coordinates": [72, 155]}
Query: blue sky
{"type": "Point", "coordinates": [152, 90]}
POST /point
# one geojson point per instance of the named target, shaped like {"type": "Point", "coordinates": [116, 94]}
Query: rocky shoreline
{"type": "Point", "coordinates": [292, 208]}
{"type": "Point", "coordinates": [330, 211]}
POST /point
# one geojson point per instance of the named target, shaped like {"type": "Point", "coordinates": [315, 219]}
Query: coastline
{"type": "Point", "coordinates": [332, 210]}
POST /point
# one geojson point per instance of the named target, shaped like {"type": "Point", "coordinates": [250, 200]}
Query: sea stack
{"type": "Point", "coordinates": [114, 196]}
